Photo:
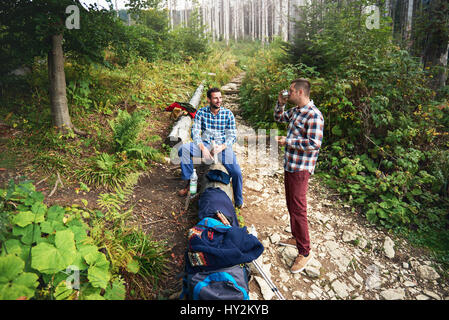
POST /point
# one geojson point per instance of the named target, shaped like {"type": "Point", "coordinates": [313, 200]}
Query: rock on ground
{"type": "Point", "coordinates": [389, 247]}
{"type": "Point", "coordinates": [393, 294]}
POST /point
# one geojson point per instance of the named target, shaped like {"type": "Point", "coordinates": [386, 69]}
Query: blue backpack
{"type": "Point", "coordinates": [203, 283]}
{"type": "Point", "coordinates": [223, 284]}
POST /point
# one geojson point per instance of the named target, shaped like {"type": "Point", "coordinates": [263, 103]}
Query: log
{"type": "Point", "coordinates": [181, 130]}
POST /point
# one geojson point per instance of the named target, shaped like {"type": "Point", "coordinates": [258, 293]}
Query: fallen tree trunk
{"type": "Point", "coordinates": [181, 129]}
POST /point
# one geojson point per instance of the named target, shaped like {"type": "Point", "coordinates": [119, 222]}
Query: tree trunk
{"type": "Point", "coordinates": [56, 75]}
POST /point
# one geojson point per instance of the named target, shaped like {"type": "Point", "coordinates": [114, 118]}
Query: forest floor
{"type": "Point", "coordinates": [351, 258]}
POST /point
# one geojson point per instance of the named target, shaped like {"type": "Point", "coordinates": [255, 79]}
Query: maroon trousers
{"type": "Point", "coordinates": [296, 185]}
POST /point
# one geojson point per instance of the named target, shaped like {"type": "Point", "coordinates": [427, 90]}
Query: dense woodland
{"type": "Point", "coordinates": [84, 104]}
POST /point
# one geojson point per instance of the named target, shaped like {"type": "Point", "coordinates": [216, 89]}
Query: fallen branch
{"type": "Point", "coordinates": [58, 181]}
{"type": "Point", "coordinates": [42, 181]}
{"type": "Point", "coordinates": [153, 222]}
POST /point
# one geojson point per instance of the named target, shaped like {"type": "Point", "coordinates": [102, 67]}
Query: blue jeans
{"type": "Point", "coordinates": [226, 157]}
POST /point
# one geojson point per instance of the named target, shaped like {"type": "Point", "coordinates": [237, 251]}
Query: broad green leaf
{"type": "Point", "coordinates": [79, 230]}
{"type": "Point", "coordinates": [29, 234]}
{"type": "Point", "coordinates": [14, 291]}
{"type": "Point", "coordinates": [98, 277]}
{"type": "Point", "coordinates": [50, 259]}
{"type": "Point", "coordinates": [13, 283]}
{"type": "Point", "coordinates": [22, 219]}
{"type": "Point", "coordinates": [89, 253]}
{"type": "Point", "coordinates": [39, 209]}
{"type": "Point", "coordinates": [65, 241]}
{"type": "Point", "coordinates": [98, 272]}
{"type": "Point", "coordinates": [62, 292]}
{"type": "Point", "coordinates": [55, 213]}
{"type": "Point", "coordinates": [10, 267]}
{"type": "Point", "coordinates": [115, 291]}
{"type": "Point", "coordinates": [133, 266]}
{"type": "Point", "coordinates": [94, 296]}
{"type": "Point", "coordinates": [52, 226]}
{"type": "Point", "coordinates": [382, 213]}
{"type": "Point", "coordinates": [12, 246]}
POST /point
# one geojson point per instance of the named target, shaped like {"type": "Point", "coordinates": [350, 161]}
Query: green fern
{"type": "Point", "coordinates": [106, 170]}
{"type": "Point", "coordinates": [113, 202]}
{"type": "Point", "coordinates": [127, 129]}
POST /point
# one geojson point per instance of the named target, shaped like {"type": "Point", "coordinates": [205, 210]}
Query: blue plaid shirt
{"type": "Point", "coordinates": [220, 128]}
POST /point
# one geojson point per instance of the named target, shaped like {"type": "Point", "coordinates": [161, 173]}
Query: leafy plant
{"type": "Point", "coordinates": [106, 170]}
{"type": "Point", "coordinates": [43, 245]}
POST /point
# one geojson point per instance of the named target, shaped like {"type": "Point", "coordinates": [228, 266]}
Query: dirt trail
{"type": "Point", "coordinates": [352, 259]}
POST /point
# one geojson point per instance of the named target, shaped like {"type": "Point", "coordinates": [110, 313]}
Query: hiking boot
{"type": "Point", "coordinates": [240, 206]}
{"type": "Point", "coordinates": [288, 243]}
{"type": "Point", "coordinates": [300, 263]}
{"type": "Point", "coordinates": [183, 192]}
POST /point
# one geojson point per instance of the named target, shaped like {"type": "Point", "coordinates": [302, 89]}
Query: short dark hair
{"type": "Point", "coordinates": [212, 90]}
{"type": "Point", "coordinates": [303, 84]}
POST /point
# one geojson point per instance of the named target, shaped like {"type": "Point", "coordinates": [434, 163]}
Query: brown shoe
{"type": "Point", "coordinates": [291, 242]}
{"type": "Point", "coordinates": [300, 263]}
{"type": "Point", "coordinates": [183, 192]}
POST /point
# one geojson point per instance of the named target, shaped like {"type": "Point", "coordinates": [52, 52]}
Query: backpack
{"type": "Point", "coordinates": [222, 284]}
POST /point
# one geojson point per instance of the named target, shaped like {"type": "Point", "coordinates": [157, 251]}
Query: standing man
{"type": "Point", "coordinates": [213, 133]}
{"type": "Point", "coordinates": [302, 145]}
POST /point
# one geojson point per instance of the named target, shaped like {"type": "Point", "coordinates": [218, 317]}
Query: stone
{"type": "Point", "coordinates": [265, 243]}
{"type": "Point", "coordinates": [422, 297]}
{"type": "Point", "coordinates": [298, 294]}
{"type": "Point", "coordinates": [427, 273]}
{"type": "Point", "coordinates": [312, 269]}
{"type": "Point", "coordinates": [312, 272]}
{"type": "Point", "coordinates": [341, 290]}
{"type": "Point", "coordinates": [331, 246]}
{"type": "Point", "coordinates": [432, 294]}
{"type": "Point", "coordinates": [329, 235]}
{"type": "Point", "coordinates": [264, 288]}
{"type": "Point", "coordinates": [348, 236]}
{"type": "Point", "coordinates": [389, 247]}
{"type": "Point", "coordinates": [342, 263]}
{"type": "Point", "coordinates": [410, 284]}
{"type": "Point", "coordinates": [289, 255]}
{"type": "Point", "coordinates": [253, 296]}
{"type": "Point", "coordinates": [332, 277]}
{"type": "Point", "coordinates": [284, 276]}
{"type": "Point", "coordinates": [405, 265]}
{"type": "Point", "coordinates": [358, 277]}
{"type": "Point", "coordinates": [311, 295]}
{"type": "Point", "coordinates": [393, 294]}
{"type": "Point", "coordinates": [275, 238]}
{"type": "Point", "coordinates": [253, 185]}
{"type": "Point", "coordinates": [354, 282]}
{"type": "Point", "coordinates": [315, 288]}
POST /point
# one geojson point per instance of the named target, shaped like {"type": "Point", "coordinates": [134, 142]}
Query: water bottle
{"type": "Point", "coordinates": [193, 183]}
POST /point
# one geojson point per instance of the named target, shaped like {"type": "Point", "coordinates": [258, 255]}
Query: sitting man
{"type": "Point", "coordinates": [213, 134]}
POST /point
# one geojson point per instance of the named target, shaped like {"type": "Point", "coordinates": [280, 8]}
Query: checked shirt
{"type": "Point", "coordinates": [220, 128]}
{"type": "Point", "coordinates": [304, 136]}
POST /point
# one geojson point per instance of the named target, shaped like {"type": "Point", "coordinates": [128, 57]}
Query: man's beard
{"type": "Point", "coordinates": [213, 106]}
